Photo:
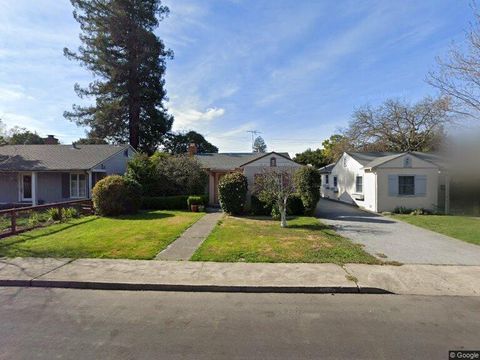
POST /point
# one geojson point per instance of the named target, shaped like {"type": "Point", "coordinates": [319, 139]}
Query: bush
{"type": "Point", "coordinates": [195, 200]}
{"type": "Point", "coordinates": [259, 208]}
{"type": "Point", "coordinates": [402, 210]}
{"type": "Point", "coordinates": [54, 214]}
{"type": "Point", "coordinates": [116, 195]}
{"type": "Point", "coordinates": [421, 211]}
{"type": "Point", "coordinates": [307, 184]}
{"type": "Point", "coordinates": [295, 205]}
{"type": "Point", "coordinates": [165, 175]}
{"type": "Point", "coordinates": [70, 213]}
{"type": "Point", "coordinates": [232, 193]}
{"type": "Point", "coordinates": [165, 202]}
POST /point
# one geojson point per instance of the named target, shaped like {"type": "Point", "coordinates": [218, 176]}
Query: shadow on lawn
{"type": "Point", "coordinates": [26, 236]}
{"type": "Point", "coordinates": [314, 227]}
{"type": "Point", "coordinates": [142, 215]}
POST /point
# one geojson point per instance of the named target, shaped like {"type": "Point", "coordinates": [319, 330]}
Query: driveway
{"type": "Point", "coordinates": [393, 240]}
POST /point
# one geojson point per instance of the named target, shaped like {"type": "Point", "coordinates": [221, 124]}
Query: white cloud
{"type": "Point", "coordinates": [12, 94]}
{"type": "Point", "coordinates": [185, 118]}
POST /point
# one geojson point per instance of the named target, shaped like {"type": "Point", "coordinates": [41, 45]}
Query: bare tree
{"type": "Point", "coordinates": [458, 75]}
{"type": "Point", "coordinates": [399, 126]}
{"type": "Point", "coordinates": [275, 186]}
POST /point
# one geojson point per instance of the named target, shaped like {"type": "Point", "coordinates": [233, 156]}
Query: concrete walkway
{"type": "Point", "coordinates": [240, 277]}
{"type": "Point", "coordinates": [393, 240]}
{"type": "Point", "coordinates": [184, 247]}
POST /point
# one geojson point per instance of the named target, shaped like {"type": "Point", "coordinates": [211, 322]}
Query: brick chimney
{"type": "Point", "coordinates": [192, 149]}
{"type": "Point", "coordinates": [51, 140]}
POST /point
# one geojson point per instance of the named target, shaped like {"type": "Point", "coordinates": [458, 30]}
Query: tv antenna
{"type": "Point", "coordinates": [254, 134]}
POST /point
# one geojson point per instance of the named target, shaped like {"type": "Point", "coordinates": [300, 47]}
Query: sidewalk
{"type": "Point", "coordinates": [184, 247]}
{"type": "Point", "coordinates": [240, 277]}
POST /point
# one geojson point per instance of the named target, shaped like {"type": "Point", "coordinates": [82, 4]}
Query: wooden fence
{"type": "Point", "coordinates": [85, 206]}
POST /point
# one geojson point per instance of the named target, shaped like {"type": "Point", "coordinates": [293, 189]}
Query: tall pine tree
{"type": "Point", "coordinates": [128, 62]}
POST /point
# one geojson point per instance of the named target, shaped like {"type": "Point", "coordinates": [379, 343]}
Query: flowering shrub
{"type": "Point", "coordinates": [232, 193]}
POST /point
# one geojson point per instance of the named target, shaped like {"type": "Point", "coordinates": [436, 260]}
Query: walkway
{"type": "Point", "coordinates": [184, 247]}
{"type": "Point", "coordinates": [240, 277]}
{"type": "Point", "coordinates": [394, 240]}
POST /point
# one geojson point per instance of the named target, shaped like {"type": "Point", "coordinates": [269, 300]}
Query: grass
{"type": "Point", "coordinates": [263, 240]}
{"type": "Point", "coordinates": [139, 236]}
{"type": "Point", "coordinates": [459, 227]}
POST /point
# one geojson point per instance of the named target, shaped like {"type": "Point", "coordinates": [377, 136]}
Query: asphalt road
{"type": "Point", "coordinates": [90, 324]}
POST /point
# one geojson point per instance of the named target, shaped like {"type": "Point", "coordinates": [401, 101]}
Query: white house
{"type": "Point", "coordinates": [384, 181]}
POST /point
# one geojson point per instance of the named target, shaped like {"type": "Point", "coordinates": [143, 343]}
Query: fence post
{"type": "Point", "coordinates": [13, 217]}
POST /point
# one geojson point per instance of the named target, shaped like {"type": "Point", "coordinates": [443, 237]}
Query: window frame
{"type": "Point", "coordinates": [326, 179]}
{"type": "Point", "coordinates": [77, 194]}
{"type": "Point", "coordinates": [335, 181]}
{"type": "Point", "coordinates": [273, 162]}
{"type": "Point", "coordinates": [357, 184]}
{"type": "Point", "coordinates": [402, 187]}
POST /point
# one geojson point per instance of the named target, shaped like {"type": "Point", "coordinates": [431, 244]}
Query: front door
{"type": "Point", "coordinates": [26, 188]}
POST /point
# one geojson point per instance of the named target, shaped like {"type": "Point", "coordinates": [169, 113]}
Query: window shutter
{"type": "Point", "coordinates": [421, 185]}
{"type": "Point", "coordinates": [65, 185]}
{"type": "Point", "coordinates": [392, 185]}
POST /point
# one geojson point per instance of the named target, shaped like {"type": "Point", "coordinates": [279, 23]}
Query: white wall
{"type": "Point", "coordinates": [396, 167]}
{"type": "Point", "coordinates": [346, 170]}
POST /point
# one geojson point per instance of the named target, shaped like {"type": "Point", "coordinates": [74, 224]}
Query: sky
{"type": "Point", "coordinates": [293, 70]}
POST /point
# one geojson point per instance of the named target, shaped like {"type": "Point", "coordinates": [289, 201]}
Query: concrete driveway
{"type": "Point", "coordinates": [394, 240]}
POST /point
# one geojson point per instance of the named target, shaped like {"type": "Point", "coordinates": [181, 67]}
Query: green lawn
{"type": "Point", "coordinates": [263, 240]}
{"type": "Point", "coordinates": [139, 236]}
{"type": "Point", "coordinates": [460, 227]}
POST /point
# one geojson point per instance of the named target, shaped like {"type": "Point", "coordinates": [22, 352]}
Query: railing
{"type": "Point", "coordinates": [20, 224]}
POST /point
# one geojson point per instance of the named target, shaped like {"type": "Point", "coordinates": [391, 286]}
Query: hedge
{"type": "Point", "coordinates": [177, 202]}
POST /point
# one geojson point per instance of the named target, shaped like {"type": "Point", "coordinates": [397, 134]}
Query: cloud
{"type": "Point", "coordinates": [189, 117]}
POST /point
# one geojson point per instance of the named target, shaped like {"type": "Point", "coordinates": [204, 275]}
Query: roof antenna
{"type": "Point", "coordinates": [254, 133]}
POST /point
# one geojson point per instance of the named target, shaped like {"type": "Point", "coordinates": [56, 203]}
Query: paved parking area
{"type": "Point", "coordinates": [393, 240]}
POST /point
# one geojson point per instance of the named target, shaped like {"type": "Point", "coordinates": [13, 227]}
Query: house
{"type": "Point", "coordinates": [37, 174]}
{"type": "Point", "coordinates": [383, 181]}
{"type": "Point", "coordinates": [250, 164]}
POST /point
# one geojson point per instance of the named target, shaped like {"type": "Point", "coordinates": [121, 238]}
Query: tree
{"type": "Point", "coordinates": [275, 186]}
{"type": "Point", "coordinates": [399, 126]}
{"type": "Point", "coordinates": [307, 184]}
{"type": "Point", "coordinates": [458, 76]}
{"type": "Point", "coordinates": [177, 143]}
{"type": "Point", "coordinates": [334, 147]}
{"type": "Point", "coordinates": [259, 145]}
{"type": "Point", "coordinates": [128, 60]}
{"type": "Point", "coordinates": [22, 136]}
{"type": "Point", "coordinates": [315, 158]}
{"type": "Point", "coordinates": [232, 193]}
{"type": "Point", "coordinates": [91, 141]}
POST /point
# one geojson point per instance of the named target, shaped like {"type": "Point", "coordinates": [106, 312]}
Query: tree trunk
{"type": "Point", "coordinates": [283, 213]}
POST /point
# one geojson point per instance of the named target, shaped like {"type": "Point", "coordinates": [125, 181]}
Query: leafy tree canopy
{"type": "Point", "coordinates": [177, 143]}
{"type": "Point", "coordinates": [259, 145]}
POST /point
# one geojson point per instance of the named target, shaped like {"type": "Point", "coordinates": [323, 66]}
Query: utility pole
{"type": "Point", "coordinates": [254, 133]}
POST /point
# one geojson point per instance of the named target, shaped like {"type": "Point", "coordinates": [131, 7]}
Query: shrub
{"type": "Point", "coordinates": [165, 202]}
{"type": "Point", "coordinates": [54, 214]}
{"type": "Point", "coordinates": [70, 213]}
{"type": "Point", "coordinates": [421, 211]}
{"type": "Point", "coordinates": [116, 195]}
{"type": "Point", "coordinates": [307, 184]}
{"type": "Point", "coordinates": [34, 219]}
{"type": "Point", "coordinates": [232, 192]}
{"type": "Point", "coordinates": [402, 210]}
{"type": "Point", "coordinates": [195, 200]}
{"type": "Point", "coordinates": [295, 205]}
{"type": "Point", "coordinates": [259, 208]}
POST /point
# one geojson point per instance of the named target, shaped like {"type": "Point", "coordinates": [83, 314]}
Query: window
{"type": "Point", "coordinates": [359, 184]}
{"type": "Point", "coordinates": [335, 181]}
{"type": "Point", "coordinates": [326, 179]}
{"type": "Point", "coordinates": [345, 162]}
{"type": "Point", "coordinates": [273, 162]}
{"type": "Point", "coordinates": [406, 185]}
{"type": "Point", "coordinates": [78, 186]}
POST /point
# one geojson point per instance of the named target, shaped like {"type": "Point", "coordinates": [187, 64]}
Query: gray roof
{"type": "Point", "coordinates": [230, 161]}
{"type": "Point", "coordinates": [55, 157]}
{"type": "Point", "coordinates": [373, 159]}
{"type": "Point", "coordinates": [327, 169]}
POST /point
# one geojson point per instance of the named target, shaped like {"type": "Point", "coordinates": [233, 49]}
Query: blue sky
{"type": "Point", "coordinates": [293, 70]}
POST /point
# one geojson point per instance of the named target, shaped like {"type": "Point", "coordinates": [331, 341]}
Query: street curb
{"type": "Point", "coordinates": [193, 288]}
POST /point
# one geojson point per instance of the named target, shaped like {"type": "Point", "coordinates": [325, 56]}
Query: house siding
{"type": "Point", "coordinates": [117, 164]}
{"type": "Point", "coordinates": [49, 187]}
{"type": "Point", "coordinates": [8, 187]}
{"type": "Point", "coordinates": [346, 176]}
